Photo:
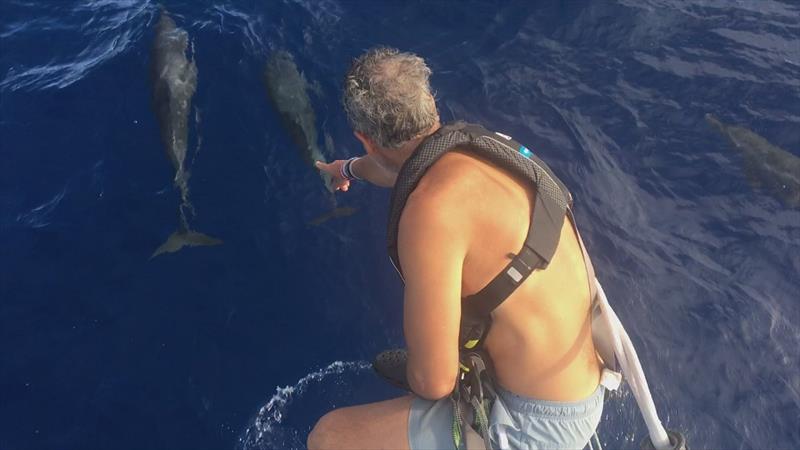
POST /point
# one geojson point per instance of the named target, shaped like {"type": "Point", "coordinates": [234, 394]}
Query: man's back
{"type": "Point", "coordinates": [540, 340]}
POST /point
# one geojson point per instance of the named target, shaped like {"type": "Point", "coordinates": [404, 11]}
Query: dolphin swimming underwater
{"type": "Point", "coordinates": [766, 165]}
{"type": "Point", "coordinates": [287, 90]}
{"type": "Point", "coordinates": [174, 80]}
{"type": "Point", "coordinates": [338, 212]}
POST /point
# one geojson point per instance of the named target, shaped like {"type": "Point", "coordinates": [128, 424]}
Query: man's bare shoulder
{"type": "Point", "coordinates": [428, 208]}
{"type": "Point", "coordinates": [447, 193]}
{"type": "Point", "coordinates": [440, 194]}
{"type": "Point", "coordinates": [453, 175]}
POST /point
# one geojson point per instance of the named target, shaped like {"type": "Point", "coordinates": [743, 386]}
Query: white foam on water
{"type": "Point", "coordinates": [266, 431]}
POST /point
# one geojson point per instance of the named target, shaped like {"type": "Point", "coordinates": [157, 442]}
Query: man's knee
{"type": "Point", "coordinates": [325, 432]}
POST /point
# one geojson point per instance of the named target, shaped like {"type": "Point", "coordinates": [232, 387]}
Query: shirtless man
{"type": "Point", "coordinates": [455, 234]}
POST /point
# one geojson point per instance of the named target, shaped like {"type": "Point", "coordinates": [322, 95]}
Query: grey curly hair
{"type": "Point", "coordinates": [387, 96]}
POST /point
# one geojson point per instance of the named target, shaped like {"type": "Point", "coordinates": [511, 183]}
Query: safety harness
{"type": "Point", "coordinates": [552, 204]}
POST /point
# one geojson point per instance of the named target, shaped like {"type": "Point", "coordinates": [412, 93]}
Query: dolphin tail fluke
{"type": "Point", "coordinates": [180, 239]}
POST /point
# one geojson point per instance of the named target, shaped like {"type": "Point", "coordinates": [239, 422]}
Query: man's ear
{"type": "Point", "coordinates": [369, 146]}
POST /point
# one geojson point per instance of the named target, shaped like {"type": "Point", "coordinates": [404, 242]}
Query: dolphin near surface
{"type": "Point", "coordinates": [174, 79]}
{"type": "Point", "coordinates": [287, 91]}
{"type": "Point", "coordinates": [336, 213]}
{"type": "Point", "coordinates": [765, 164]}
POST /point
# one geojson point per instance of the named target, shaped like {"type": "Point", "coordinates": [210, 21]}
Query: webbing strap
{"type": "Point", "coordinates": [540, 246]}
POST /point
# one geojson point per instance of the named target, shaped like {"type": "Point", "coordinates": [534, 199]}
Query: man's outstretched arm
{"type": "Point", "coordinates": [365, 167]}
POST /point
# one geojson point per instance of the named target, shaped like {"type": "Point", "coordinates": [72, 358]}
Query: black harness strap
{"type": "Point", "coordinates": [536, 253]}
{"type": "Point", "coordinates": [540, 245]}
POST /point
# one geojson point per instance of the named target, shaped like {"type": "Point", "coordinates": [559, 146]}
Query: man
{"type": "Point", "coordinates": [460, 223]}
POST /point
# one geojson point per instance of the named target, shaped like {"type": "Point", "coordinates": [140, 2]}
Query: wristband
{"type": "Point", "coordinates": [346, 170]}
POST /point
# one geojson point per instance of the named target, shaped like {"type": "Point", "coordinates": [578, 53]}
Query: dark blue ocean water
{"type": "Point", "coordinates": [244, 345]}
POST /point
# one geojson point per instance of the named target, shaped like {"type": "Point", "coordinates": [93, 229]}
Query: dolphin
{"type": "Point", "coordinates": [340, 211]}
{"type": "Point", "coordinates": [766, 165]}
{"type": "Point", "coordinates": [184, 238]}
{"type": "Point", "coordinates": [287, 90]}
{"type": "Point", "coordinates": [174, 80]}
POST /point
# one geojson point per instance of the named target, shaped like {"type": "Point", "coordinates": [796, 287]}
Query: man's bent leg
{"type": "Point", "coordinates": [381, 425]}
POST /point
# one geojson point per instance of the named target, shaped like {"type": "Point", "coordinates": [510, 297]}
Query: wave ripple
{"type": "Point", "coordinates": [83, 35]}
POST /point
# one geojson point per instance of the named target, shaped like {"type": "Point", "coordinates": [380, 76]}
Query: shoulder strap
{"type": "Point", "coordinates": [536, 253]}
{"type": "Point", "coordinates": [540, 245]}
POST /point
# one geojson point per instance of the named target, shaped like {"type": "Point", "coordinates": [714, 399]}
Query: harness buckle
{"type": "Point", "coordinates": [514, 274]}
{"type": "Point", "coordinates": [477, 368]}
{"type": "Point", "coordinates": [474, 384]}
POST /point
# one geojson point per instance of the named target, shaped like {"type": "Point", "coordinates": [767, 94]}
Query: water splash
{"type": "Point", "coordinates": [268, 429]}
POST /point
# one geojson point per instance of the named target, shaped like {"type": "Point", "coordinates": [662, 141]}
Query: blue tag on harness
{"type": "Point", "coordinates": [525, 152]}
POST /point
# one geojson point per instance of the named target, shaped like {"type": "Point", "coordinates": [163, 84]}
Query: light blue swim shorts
{"type": "Point", "coordinates": [515, 422]}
